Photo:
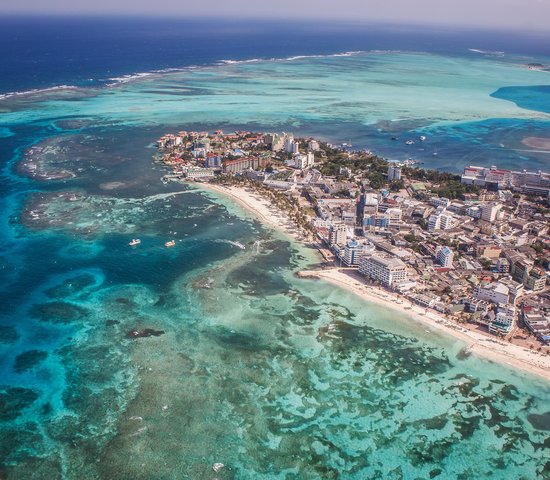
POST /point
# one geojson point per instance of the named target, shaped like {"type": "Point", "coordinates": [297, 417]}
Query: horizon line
{"type": "Point", "coordinates": [337, 22]}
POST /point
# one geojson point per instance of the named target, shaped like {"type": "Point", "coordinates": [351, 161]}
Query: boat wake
{"type": "Point", "coordinates": [231, 242]}
{"type": "Point", "coordinates": [493, 53]}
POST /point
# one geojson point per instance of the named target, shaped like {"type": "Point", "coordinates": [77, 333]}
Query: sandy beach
{"type": "Point", "coordinates": [259, 206]}
{"type": "Point", "coordinates": [487, 346]}
{"type": "Point", "coordinates": [484, 345]}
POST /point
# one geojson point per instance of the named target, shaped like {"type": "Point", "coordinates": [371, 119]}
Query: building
{"type": "Point", "coordinates": [194, 173]}
{"type": "Point", "coordinates": [394, 173]}
{"type": "Point", "coordinates": [440, 202]}
{"type": "Point", "coordinates": [444, 256]}
{"type": "Point", "coordinates": [495, 292]}
{"type": "Point", "coordinates": [390, 218]}
{"type": "Point", "coordinates": [490, 211]}
{"type": "Point", "coordinates": [244, 163]}
{"type": "Point", "coordinates": [537, 322]}
{"type": "Point", "coordinates": [370, 204]}
{"type": "Point", "coordinates": [503, 265]}
{"type": "Point", "coordinates": [313, 145]}
{"type": "Point", "coordinates": [302, 161]}
{"type": "Point", "coordinates": [474, 211]}
{"type": "Point", "coordinates": [353, 252]}
{"type": "Point", "coordinates": [504, 320]}
{"type": "Point", "coordinates": [388, 271]}
{"type": "Point", "coordinates": [212, 160]}
{"type": "Point", "coordinates": [276, 142]}
{"type": "Point", "coordinates": [536, 183]}
{"type": "Point", "coordinates": [290, 145]}
{"type": "Point", "coordinates": [536, 280]}
{"type": "Point", "coordinates": [338, 234]}
{"type": "Point", "coordinates": [440, 220]}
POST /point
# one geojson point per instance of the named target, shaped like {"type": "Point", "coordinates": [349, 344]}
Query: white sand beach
{"type": "Point", "coordinates": [481, 344]}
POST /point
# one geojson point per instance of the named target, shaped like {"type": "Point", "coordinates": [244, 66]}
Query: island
{"type": "Point", "coordinates": [468, 254]}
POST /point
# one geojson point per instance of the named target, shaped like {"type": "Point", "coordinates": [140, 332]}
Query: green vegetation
{"type": "Point", "coordinates": [538, 247]}
{"type": "Point", "coordinates": [487, 263]}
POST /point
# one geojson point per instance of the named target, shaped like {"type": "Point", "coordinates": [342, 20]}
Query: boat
{"type": "Point", "coordinates": [217, 467]}
{"type": "Point", "coordinates": [134, 242]}
{"type": "Point", "coordinates": [422, 138]}
{"type": "Point", "coordinates": [171, 243]}
{"type": "Point", "coordinates": [409, 142]}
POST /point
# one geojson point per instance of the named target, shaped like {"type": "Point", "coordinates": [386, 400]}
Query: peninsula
{"type": "Point", "coordinates": [467, 253]}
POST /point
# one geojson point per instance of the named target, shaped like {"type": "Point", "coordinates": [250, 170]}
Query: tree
{"type": "Point", "coordinates": [397, 185]}
{"type": "Point", "coordinates": [487, 264]}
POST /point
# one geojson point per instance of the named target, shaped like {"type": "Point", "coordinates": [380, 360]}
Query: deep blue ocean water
{"type": "Point", "coordinates": [45, 52]}
{"type": "Point", "coordinates": [247, 370]}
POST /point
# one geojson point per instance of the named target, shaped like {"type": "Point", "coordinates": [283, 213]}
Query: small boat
{"type": "Point", "coordinates": [409, 142]}
{"type": "Point", "coordinates": [434, 154]}
{"type": "Point", "coordinates": [422, 138]}
{"type": "Point", "coordinates": [134, 242]}
{"type": "Point", "coordinates": [218, 467]}
{"type": "Point", "coordinates": [171, 243]}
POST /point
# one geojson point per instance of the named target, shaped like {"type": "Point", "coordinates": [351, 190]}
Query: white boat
{"type": "Point", "coordinates": [217, 467]}
{"type": "Point", "coordinates": [422, 138]}
{"type": "Point", "coordinates": [171, 243]}
{"type": "Point", "coordinates": [409, 142]}
{"type": "Point", "coordinates": [134, 242]}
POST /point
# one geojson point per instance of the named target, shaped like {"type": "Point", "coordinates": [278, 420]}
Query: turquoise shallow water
{"type": "Point", "coordinates": [244, 369]}
{"type": "Point", "coordinates": [366, 98]}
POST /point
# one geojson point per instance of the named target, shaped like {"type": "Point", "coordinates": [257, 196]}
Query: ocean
{"type": "Point", "coordinates": [242, 368]}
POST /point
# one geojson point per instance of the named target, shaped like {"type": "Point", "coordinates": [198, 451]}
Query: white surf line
{"type": "Point", "coordinates": [162, 196]}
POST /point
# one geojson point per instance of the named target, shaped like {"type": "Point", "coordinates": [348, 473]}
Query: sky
{"type": "Point", "coordinates": [531, 15]}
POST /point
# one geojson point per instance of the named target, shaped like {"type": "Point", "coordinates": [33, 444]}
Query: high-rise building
{"type": "Point", "coordinates": [444, 256]}
{"type": "Point", "coordinates": [394, 173]}
{"type": "Point", "coordinates": [490, 211]}
{"type": "Point", "coordinates": [353, 252]}
{"type": "Point", "coordinates": [338, 234]}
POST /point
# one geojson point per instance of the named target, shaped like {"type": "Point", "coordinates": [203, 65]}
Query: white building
{"type": "Point", "coordinates": [370, 206]}
{"type": "Point", "coordinates": [302, 161]}
{"type": "Point", "coordinates": [504, 320]}
{"type": "Point", "coordinates": [495, 292]}
{"type": "Point", "coordinates": [444, 256]}
{"type": "Point", "coordinates": [388, 271]}
{"type": "Point", "coordinates": [290, 145]}
{"type": "Point", "coordinates": [394, 173]}
{"type": "Point", "coordinates": [474, 211]}
{"type": "Point", "coordinates": [440, 202]}
{"type": "Point", "coordinates": [337, 234]}
{"type": "Point", "coordinates": [194, 173]}
{"type": "Point", "coordinates": [490, 211]}
{"type": "Point", "coordinates": [440, 220]}
{"type": "Point", "coordinates": [352, 254]}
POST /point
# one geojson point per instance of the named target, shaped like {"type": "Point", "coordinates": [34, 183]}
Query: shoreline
{"type": "Point", "coordinates": [259, 206]}
{"type": "Point", "coordinates": [482, 345]}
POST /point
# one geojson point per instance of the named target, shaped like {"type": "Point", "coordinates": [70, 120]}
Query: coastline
{"type": "Point", "coordinates": [479, 344]}
{"type": "Point", "coordinates": [259, 206]}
